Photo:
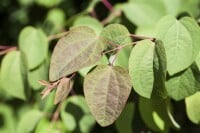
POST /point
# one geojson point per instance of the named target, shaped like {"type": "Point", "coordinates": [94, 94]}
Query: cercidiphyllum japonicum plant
{"type": "Point", "coordinates": [107, 86]}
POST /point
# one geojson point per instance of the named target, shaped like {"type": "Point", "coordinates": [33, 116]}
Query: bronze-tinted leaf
{"type": "Point", "coordinates": [79, 49]}
{"type": "Point", "coordinates": [106, 90]}
{"type": "Point", "coordinates": [63, 90]}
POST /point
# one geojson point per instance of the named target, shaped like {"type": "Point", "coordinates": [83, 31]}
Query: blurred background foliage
{"type": "Point", "coordinates": [21, 107]}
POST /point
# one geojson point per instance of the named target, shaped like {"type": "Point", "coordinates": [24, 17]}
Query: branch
{"type": "Point", "coordinates": [120, 47]}
{"type": "Point", "coordinates": [57, 36]}
{"type": "Point", "coordinates": [142, 37]}
{"type": "Point", "coordinates": [7, 49]}
{"type": "Point", "coordinates": [55, 115]}
{"type": "Point", "coordinates": [111, 16]}
{"type": "Point", "coordinates": [107, 4]}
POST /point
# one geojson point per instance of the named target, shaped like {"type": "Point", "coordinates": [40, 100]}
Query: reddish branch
{"type": "Point", "coordinates": [57, 36]}
{"type": "Point", "coordinates": [107, 4]}
{"type": "Point", "coordinates": [142, 37]}
{"type": "Point", "coordinates": [6, 49]}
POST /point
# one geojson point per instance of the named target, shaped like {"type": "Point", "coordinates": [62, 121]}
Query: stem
{"type": "Point", "coordinates": [56, 113]}
{"type": "Point", "coordinates": [93, 14]}
{"type": "Point", "coordinates": [111, 16]}
{"type": "Point", "coordinates": [142, 37]}
{"type": "Point", "coordinates": [57, 36]}
{"type": "Point", "coordinates": [115, 57]}
{"type": "Point", "coordinates": [7, 49]}
{"type": "Point", "coordinates": [107, 4]}
{"type": "Point", "coordinates": [120, 47]}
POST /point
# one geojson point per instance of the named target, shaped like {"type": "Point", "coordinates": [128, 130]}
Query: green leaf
{"type": "Point", "coordinates": [160, 70]}
{"type": "Point", "coordinates": [34, 45]}
{"type": "Point", "coordinates": [79, 49]}
{"type": "Point", "coordinates": [150, 117]}
{"type": "Point", "coordinates": [123, 57]}
{"type": "Point", "coordinates": [141, 68]}
{"type": "Point", "coordinates": [28, 122]}
{"type": "Point", "coordinates": [106, 90]}
{"type": "Point", "coordinates": [144, 12]}
{"type": "Point", "coordinates": [115, 34]}
{"type": "Point", "coordinates": [13, 75]}
{"type": "Point", "coordinates": [90, 22]}
{"type": "Point", "coordinates": [157, 114]}
{"type": "Point", "coordinates": [7, 119]}
{"type": "Point", "coordinates": [192, 104]}
{"type": "Point", "coordinates": [181, 41]}
{"type": "Point", "coordinates": [124, 122]}
{"type": "Point", "coordinates": [190, 6]}
{"type": "Point", "coordinates": [63, 89]}
{"type": "Point", "coordinates": [48, 3]}
{"type": "Point", "coordinates": [41, 73]}
{"type": "Point", "coordinates": [76, 116]}
{"type": "Point", "coordinates": [182, 85]}
{"type": "Point", "coordinates": [173, 9]}
{"type": "Point", "coordinates": [55, 20]}
{"type": "Point", "coordinates": [44, 125]}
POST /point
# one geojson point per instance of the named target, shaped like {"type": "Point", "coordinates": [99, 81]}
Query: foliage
{"type": "Point", "coordinates": [99, 66]}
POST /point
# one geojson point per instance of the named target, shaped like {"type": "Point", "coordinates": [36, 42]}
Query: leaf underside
{"type": "Point", "coordinates": [106, 90]}
{"type": "Point", "coordinates": [79, 49]}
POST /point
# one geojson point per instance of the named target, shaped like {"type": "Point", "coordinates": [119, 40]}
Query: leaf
{"type": "Point", "coordinates": [106, 90]}
{"type": "Point", "coordinates": [192, 103]}
{"type": "Point", "coordinates": [150, 117]}
{"type": "Point", "coordinates": [63, 90]}
{"type": "Point", "coordinates": [76, 116]}
{"type": "Point", "coordinates": [190, 6]}
{"type": "Point", "coordinates": [29, 120]}
{"type": "Point", "coordinates": [157, 114]}
{"type": "Point", "coordinates": [160, 70]}
{"type": "Point", "coordinates": [144, 12]}
{"type": "Point", "coordinates": [115, 34]}
{"type": "Point", "coordinates": [79, 49]}
{"type": "Point", "coordinates": [48, 3]}
{"type": "Point", "coordinates": [7, 119]}
{"type": "Point", "coordinates": [55, 20]}
{"type": "Point", "coordinates": [13, 75]}
{"type": "Point", "coordinates": [124, 122]}
{"type": "Point", "coordinates": [37, 74]}
{"type": "Point", "coordinates": [34, 45]}
{"type": "Point", "coordinates": [181, 41]}
{"type": "Point", "coordinates": [44, 125]}
{"type": "Point", "coordinates": [141, 68]}
{"type": "Point", "coordinates": [173, 9]}
{"type": "Point", "coordinates": [123, 57]}
{"type": "Point", "coordinates": [90, 22]}
{"type": "Point", "coordinates": [83, 72]}
{"type": "Point", "coordinates": [182, 85]}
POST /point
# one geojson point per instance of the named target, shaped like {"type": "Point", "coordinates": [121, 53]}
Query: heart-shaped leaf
{"type": "Point", "coordinates": [106, 90]}
{"type": "Point", "coordinates": [181, 41]}
{"type": "Point", "coordinates": [78, 49]}
{"type": "Point", "coordinates": [141, 68]}
{"type": "Point", "coordinates": [34, 45]}
{"type": "Point", "coordinates": [115, 34]}
{"type": "Point", "coordinates": [13, 76]}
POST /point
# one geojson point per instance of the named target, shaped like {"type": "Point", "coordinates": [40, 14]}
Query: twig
{"type": "Point", "coordinates": [7, 49]}
{"type": "Point", "coordinates": [120, 47]}
{"type": "Point", "coordinates": [93, 13]}
{"type": "Point", "coordinates": [56, 113]}
{"type": "Point", "coordinates": [107, 4]}
{"type": "Point", "coordinates": [111, 16]}
{"type": "Point", "coordinates": [142, 37]}
{"type": "Point", "coordinates": [57, 36]}
{"type": "Point", "coordinates": [115, 57]}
